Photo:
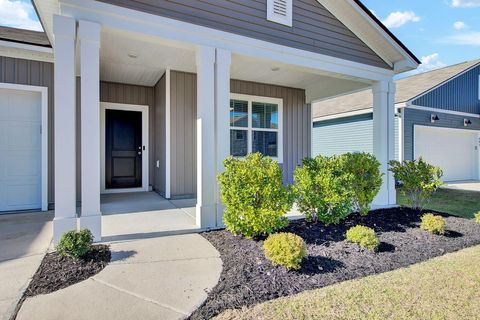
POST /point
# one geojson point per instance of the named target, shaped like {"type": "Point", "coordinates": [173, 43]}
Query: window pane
{"type": "Point", "coordinates": [238, 113]}
{"type": "Point", "coordinates": [238, 143]}
{"type": "Point", "coordinates": [265, 143]}
{"type": "Point", "coordinates": [264, 115]}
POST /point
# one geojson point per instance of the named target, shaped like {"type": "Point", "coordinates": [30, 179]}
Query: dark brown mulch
{"type": "Point", "coordinates": [57, 272]}
{"type": "Point", "coordinates": [248, 278]}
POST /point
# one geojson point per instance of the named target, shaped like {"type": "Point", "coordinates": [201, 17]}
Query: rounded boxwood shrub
{"type": "Point", "coordinates": [366, 179]}
{"type": "Point", "coordinates": [75, 243]}
{"type": "Point", "coordinates": [433, 224]}
{"type": "Point", "coordinates": [254, 195]}
{"type": "Point", "coordinates": [323, 189]}
{"type": "Point", "coordinates": [285, 249]}
{"type": "Point", "coordinates": [365, 237]}
{"type": "Point", "coordinates": [477, 217]}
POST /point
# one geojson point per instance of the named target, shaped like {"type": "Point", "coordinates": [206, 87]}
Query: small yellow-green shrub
{"type": "Point", "coordinates": [363, 236]}
{"type": "Point", "coordinates": [477, 217]}
{"type": "Point", "coordinates": [285, 249]}
{"type": "Point", "coordinates": [75, 243]}
{"type": "Point", "coordinates": [433, 224]}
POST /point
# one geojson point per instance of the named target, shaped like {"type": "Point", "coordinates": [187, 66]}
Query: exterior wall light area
{"type": "Point", "coordinates": [434, 118]}
{"type": "Point", "coordinates": [466, 122]}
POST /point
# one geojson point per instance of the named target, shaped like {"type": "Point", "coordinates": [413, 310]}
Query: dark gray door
{"type": "Point", "coordinates": [123, 149]}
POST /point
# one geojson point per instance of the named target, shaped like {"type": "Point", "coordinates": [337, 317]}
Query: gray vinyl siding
{"type": "Point", "coordinates": [160, 136]}
{"type": "Point", "coordinates": [314, 28]}
{"type": "Point", "coordinates": [35, 73]}
{"type": "Point", "coordinates": [183, 117]}
{"type": "Point", "coordinates": [459, 94]}
{"type": "Point", "coordinates": [419, 117]}
{"type": "Point", "coordinates": [347, 134]}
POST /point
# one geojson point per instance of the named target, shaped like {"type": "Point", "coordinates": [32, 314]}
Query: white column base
{"type": "Point", "coordinates": [94, 224]}
{"type": "Point", "coordinates": [62, 225]}
{"type": "Point", "coordinates": [206, 216]}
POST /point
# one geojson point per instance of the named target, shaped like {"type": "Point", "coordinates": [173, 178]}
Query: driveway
{"type": "Point", "coordinates": [156, 278]}
{"type": "Point", "coordinates": [468, 185]}
{"type": "Point", "coordinates": [24, 240]}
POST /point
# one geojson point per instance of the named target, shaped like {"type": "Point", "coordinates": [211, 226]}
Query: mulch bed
{"type": "Point", "coordinates": [57, 272]}
{"type": "Point", "coordinates": [249, 278]}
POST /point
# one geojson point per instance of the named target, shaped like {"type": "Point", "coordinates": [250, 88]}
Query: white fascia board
{"type": "Point", "coordinates": [435, 110]}
{"type": "Point", "coordinates": [25, 51]}
{"type": "Point", "coordinates": [343, 115]}
{"type": "Point", "coordinates": [179, 33]}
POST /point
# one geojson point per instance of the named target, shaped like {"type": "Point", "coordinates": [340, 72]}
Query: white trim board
{"type": "Point", "coordinates": [182, 34]}
{"type": "Point", "coordinates": [435, 110]}
{"type": "Point", "coordinates": [145, 155]}
{"type": "Point", "coordinates": [250, 99]}
{"type": "Point", "coordinates": [25, 51]}
{"type": "Point", "coordinates": [44, 154]}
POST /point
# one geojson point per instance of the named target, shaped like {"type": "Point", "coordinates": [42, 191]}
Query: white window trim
{"type": "Point", "coordinates": [250, 99]}
{"type": "Point", "coordinates": [285, 20]}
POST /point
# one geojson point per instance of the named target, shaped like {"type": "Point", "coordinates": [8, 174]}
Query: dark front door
{"type": "Point", "coordinates": [123, 149]}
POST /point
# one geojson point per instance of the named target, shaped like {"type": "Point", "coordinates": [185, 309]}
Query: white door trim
{"type": "Point", "coordinates": [44, 97]}
{"type": "Point", "coordinates": [145, 156]}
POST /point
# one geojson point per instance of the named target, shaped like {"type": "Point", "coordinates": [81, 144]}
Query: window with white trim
{"type": "Point", "coordinates": [280, 11]}
{"type": "Point", "coordinates": [256, 126]}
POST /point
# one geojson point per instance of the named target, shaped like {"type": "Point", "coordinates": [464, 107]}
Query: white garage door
{"type": "Point", "coordinates": [454, 150]}
{"type": "Point", "coordinates": [20, 150]}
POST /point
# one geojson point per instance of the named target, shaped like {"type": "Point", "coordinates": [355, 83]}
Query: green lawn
{"type": "Point", "coordinates": [446, 287]}
{"type": "Point", "coordinates": [456, 202]}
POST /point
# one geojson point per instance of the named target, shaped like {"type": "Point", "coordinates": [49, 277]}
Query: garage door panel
{"type": "Point", "coordinates": [20, 150]}
{"type": "Point", "coordinates": [452, 150]}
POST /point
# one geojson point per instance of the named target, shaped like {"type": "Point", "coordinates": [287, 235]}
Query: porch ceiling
{"type": "Point", "coordinates": [152, 56]}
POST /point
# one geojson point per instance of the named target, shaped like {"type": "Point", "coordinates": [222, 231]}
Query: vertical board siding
{"type": "Point", "coordinates": [419, 117]}
{"type": "Point", "coordinates": [34, 73]}
{"type": "Point", "coordinates": [183, 143]}
{"type": "Point", "coordinates": [314, 28]}
{"type": "Point", "coordinates": [459, 94]}
{"type": "Point", "coordinates": [349, 134]}
{"type": "Point", "coordinates": [160, 136]}
{"type": "Point", "coordinates": [139, 95]}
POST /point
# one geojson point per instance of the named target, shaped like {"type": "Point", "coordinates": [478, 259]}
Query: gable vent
{"type": "Point", "coordinates": [280, 11]}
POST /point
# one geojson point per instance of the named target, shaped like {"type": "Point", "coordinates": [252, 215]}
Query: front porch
{"type": "Point", "coordinates": [199, 104]}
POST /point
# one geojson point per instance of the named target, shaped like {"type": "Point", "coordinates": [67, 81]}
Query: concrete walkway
{"type": "Point", "coordinates": [156, 278]}
{"type": "Point", "coordinates": [24, 240]}
{"type": "Point", "coordinates": [468, 185]}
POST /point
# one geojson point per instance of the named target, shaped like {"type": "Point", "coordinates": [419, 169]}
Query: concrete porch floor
{"type": "Point", "coordinates": [139, 215]}
{"type": "Point", "coordinates": [466, 185]}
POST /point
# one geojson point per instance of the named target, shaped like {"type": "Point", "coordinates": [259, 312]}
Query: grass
{"type": "Point", "coordinates": [446, 287]}
{"type": "Point", "coordinates": [456, 202]}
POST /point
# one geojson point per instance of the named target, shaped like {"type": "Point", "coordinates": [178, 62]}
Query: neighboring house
{"type": "Point", "coordinates": [153, 95]}
{"type": "Point", "coordinates": [437, 118]}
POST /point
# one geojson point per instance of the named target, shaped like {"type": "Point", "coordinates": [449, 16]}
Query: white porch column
{"type": "Point", "coordinates": [89, 36]}
{"type": "Point", "coordinates": [222, 120]}
{"type": "Point", "coordinates": [206, 164]}
{"type": "Point", "coordinates": [64, 30]}
{"type": "Point", "coordinates": [383, 138]}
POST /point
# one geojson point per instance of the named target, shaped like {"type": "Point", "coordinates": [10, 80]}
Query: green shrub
{"type": "Point", "coordinates": [323, 189]}
{"type": "Point", "coordinates": [418, 179]}
{"type": "Point", "coordinates": [256, 200]}
{"type": "Point", "coordinates": [433, 224]}
{"type": "Point", "coordinates": [477, 217]}
{"type": "Point", "coordinates": [285, 249]}
{"type": "Point", "coordinates": [75, 243]}
{"type": "Point", "coordinates": [363, 236]}
{"type": "Point", "coordinates": [367, 179]}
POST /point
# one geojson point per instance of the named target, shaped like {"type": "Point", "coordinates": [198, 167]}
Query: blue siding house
{"type": "Point", "coordinates": [437, 118]}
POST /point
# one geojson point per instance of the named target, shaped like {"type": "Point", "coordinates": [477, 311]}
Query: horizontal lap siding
{"type": "Point", "coordinates": [459, 94]}
{"type": "Point", "coordinates": [314, 28]}
{"type": "Point", "coordinates": [419, 117]}
{"type": "Point", "coordinates": [34, 73]}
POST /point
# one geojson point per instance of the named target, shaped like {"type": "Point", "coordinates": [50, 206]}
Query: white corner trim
{"type": "Point", "coordinates": [280, 130]}
{"type": "Point", "coordinates": [401, 132]}
{"type": "Point", "coordinates": [435, 110]}
{"type": "Point", "coordinates": [168, 140]}
{"type": "Point", "coordinates": [145, 155]}
{"type": "Point", "coordinates": [343, 115]}
{"type": "Point", "coordinates": [44, 154]}
{"type": "Point", "coordinates": [181, 33]}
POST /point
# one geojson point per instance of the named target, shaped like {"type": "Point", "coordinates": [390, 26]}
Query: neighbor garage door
{"type": "Point", "coordinates": [20, 150]}
{"type": "Point", "coordinates": [453, 150]}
